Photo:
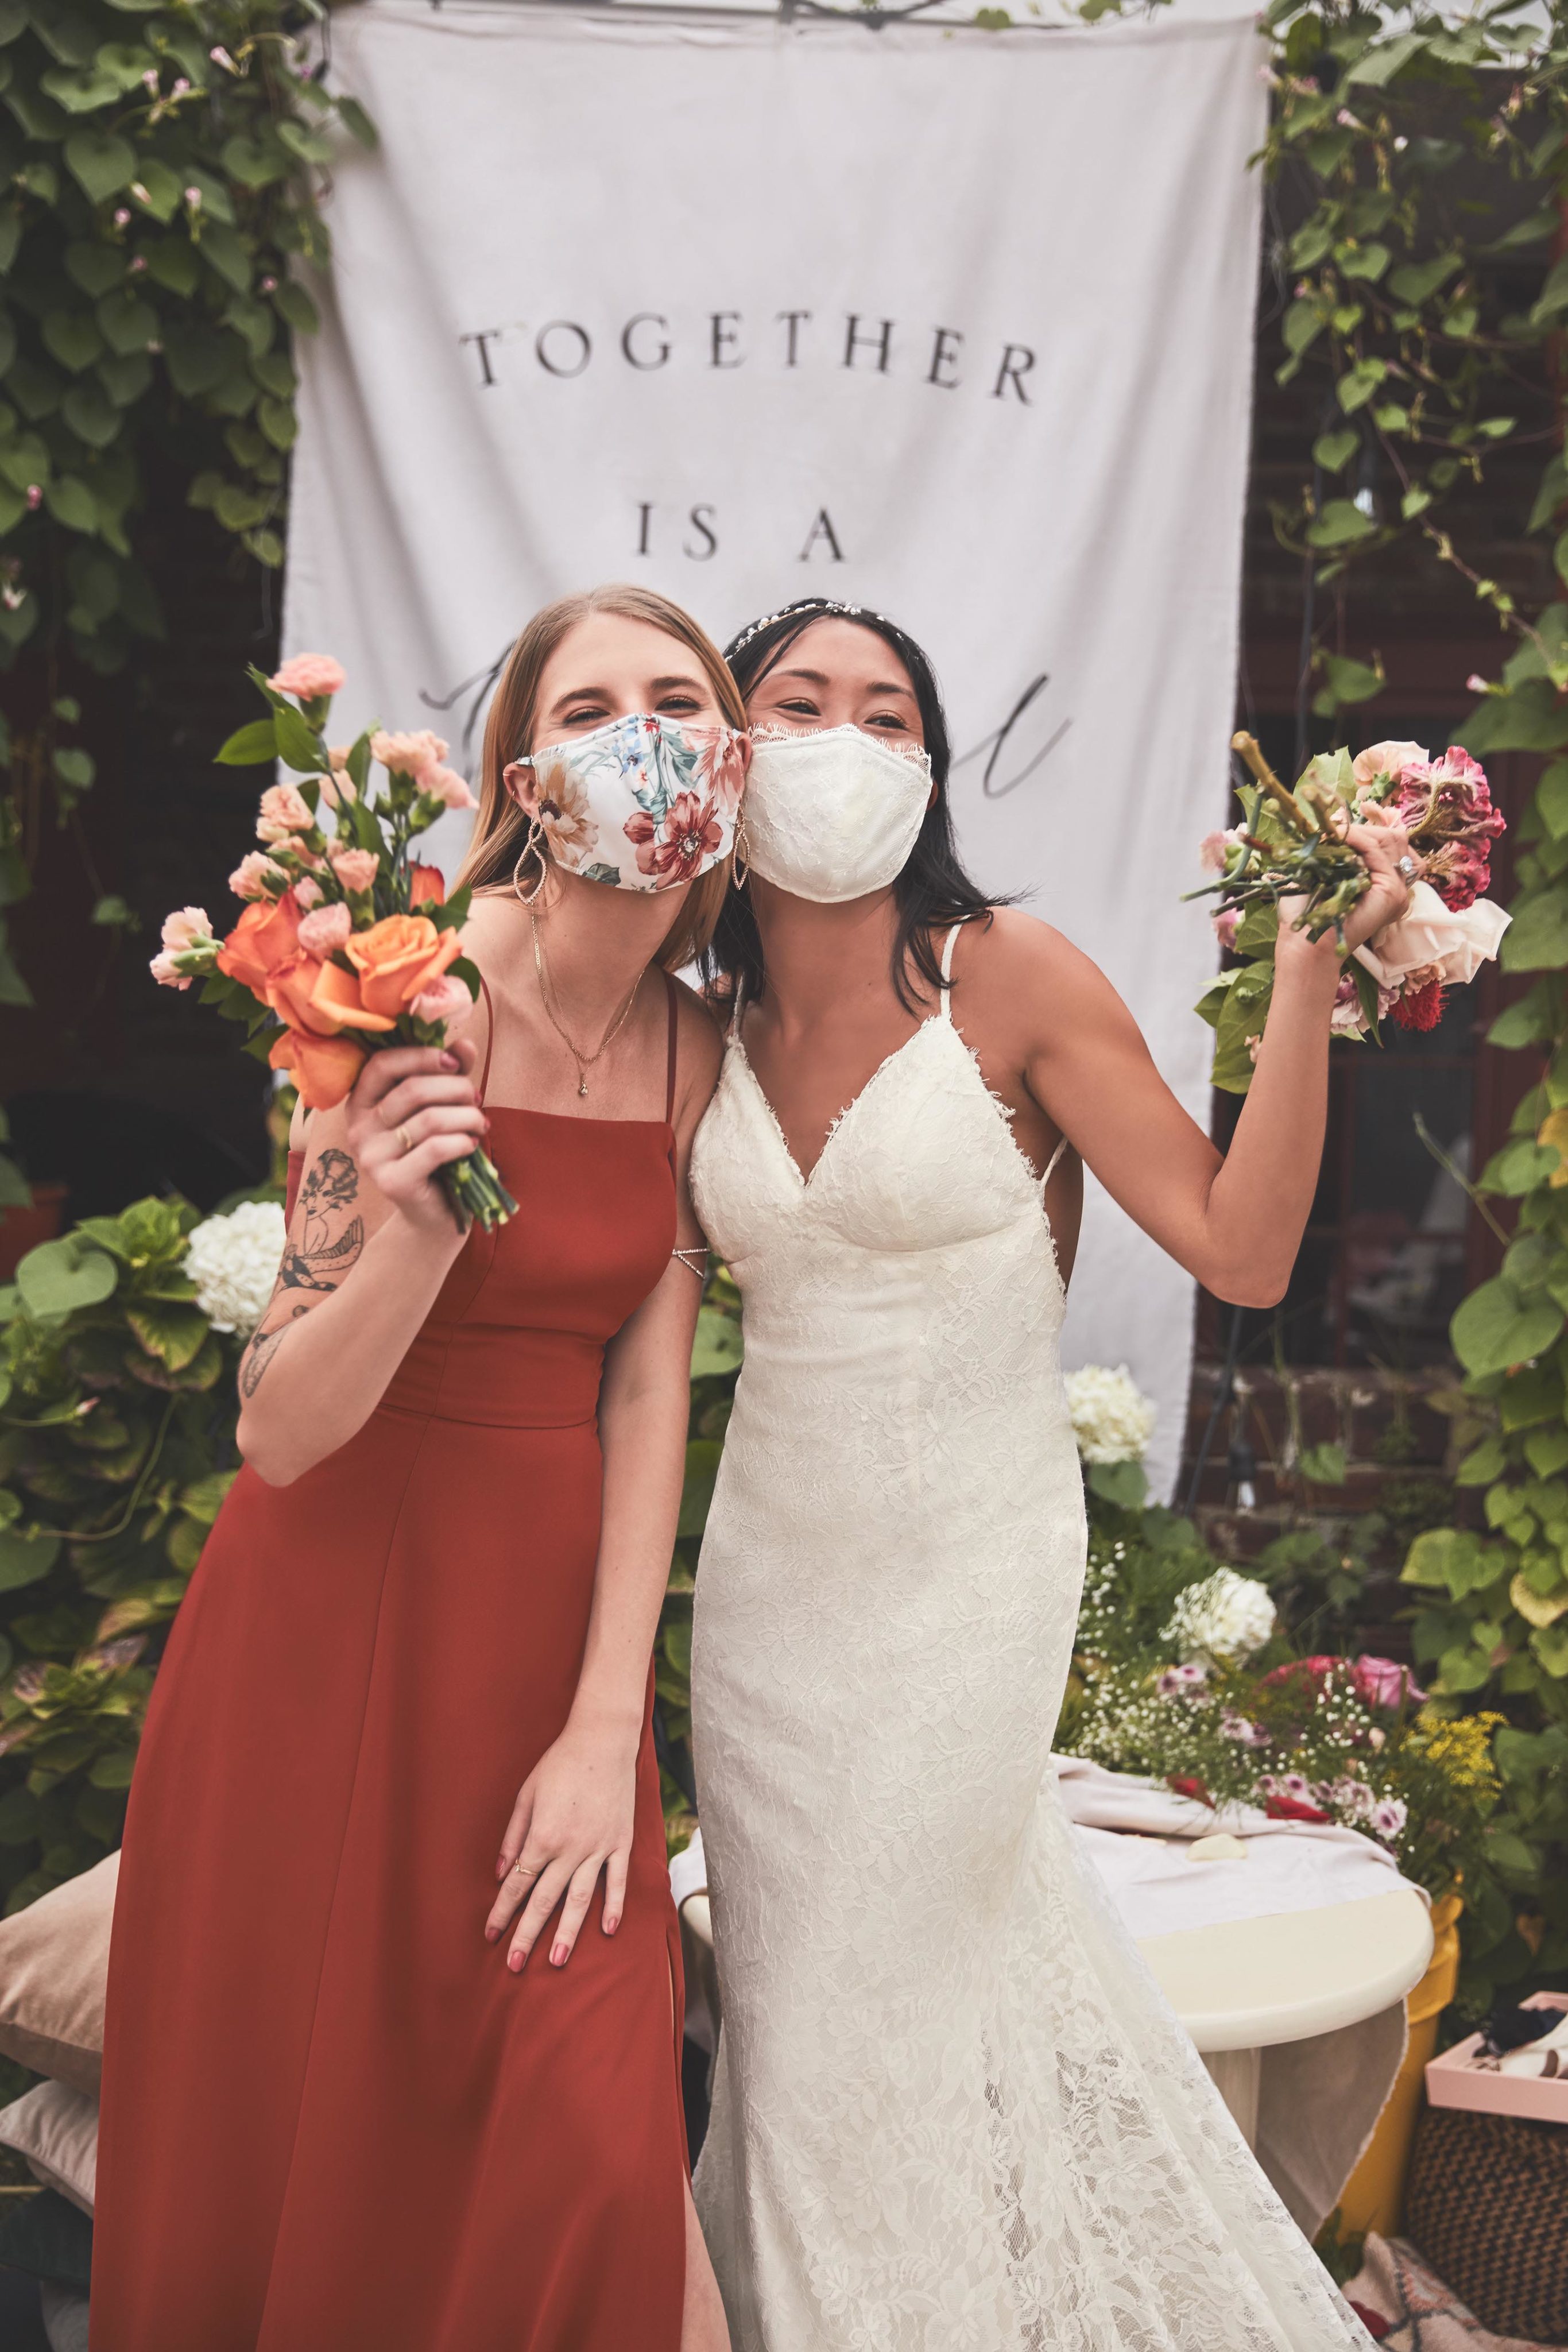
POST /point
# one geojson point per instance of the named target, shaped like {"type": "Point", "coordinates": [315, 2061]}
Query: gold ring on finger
{"type": "Point", "coordinates": [523, 1871]}
{"type": "Point", "coordinates": [404, 1141]}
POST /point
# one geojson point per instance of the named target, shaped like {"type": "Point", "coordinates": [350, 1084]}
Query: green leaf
{"type": "Point", "coordinates": [1493, 1330]}
{"type": "Point", "coordinates": [172, 262]}
{"type": "Point", "coordinates": [1546, 1451]}
{"type": "Point", "coordinates": [95, 268]}
{"type": "Point", "coordinates": [172, 1334]}
{"type": "Point", "coordinates": [299, 746]}
{"type": "Point", "coordinates": [128, 324]}
{"type": "Point", "coordinates": [702, 1469]}
{"type": "Point", "coordinates": [1324, 1465]}
{"type": "Point", "coordinates": [1340, 524]}
{"type": "Point", "coordinates": [73, 766]}
{"type": "Point", "coordinates": [1487, 1461]}
{"type": "Point", "coordinates": [356, 121]}
{"type": "Point", "coordinates": [100, 162]}
{"type": "Point", "coordinates": [230, 256]}
{"type": "Point", "coordinates": [717, 1347]}
{"type": "Point", "coordinates": [113, 913]}
{"type": "Point", "coordinates": [71, 337]}
{"type": "Point", "coordinates": [1550, 1644]}
{"type": "Point", "coordinates": [1537, 939]}
{"type": "Point", "coordinates": [58, 1277]}
{"type": "Point", "coordinates": [1377, 65]}
{"type": "Point", "coordinates": [294, 305]}
{"type": "Point", "coordinates": [1332, 450]}
{"type": "Point", "coordinates": [1418, 280]}
{"type": "Point", "coordinates": [250, 745]}
{"type": "Point", "coordinates": [23, 1558]}
{"type": "Point", "coordinates": [196, 359]}
{"type": "Point", "coordinates": [161, 189]}
{"type": "Point", "coordinates": [71, 502]}
{"type": "Point", "coordinates": [91, 415]}
{"type": "Point", "coordinates": [1119, 1482]}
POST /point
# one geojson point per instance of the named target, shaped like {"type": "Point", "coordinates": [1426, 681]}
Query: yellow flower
{"type": "Point", "coordinates": [1553, 1132]}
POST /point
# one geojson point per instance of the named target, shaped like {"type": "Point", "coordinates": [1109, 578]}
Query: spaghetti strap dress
{"type": "Point", "coordinates": [331, 2116]}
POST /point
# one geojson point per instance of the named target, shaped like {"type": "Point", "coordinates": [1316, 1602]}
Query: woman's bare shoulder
{"type": "Point", "coordinates": [1021, 972]}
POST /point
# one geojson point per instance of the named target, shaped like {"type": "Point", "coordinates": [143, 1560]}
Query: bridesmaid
{"type": "Point", "coordinates": [394, 1996]}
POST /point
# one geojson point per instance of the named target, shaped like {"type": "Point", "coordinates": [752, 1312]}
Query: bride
{"type": "Point", "coordinates": [951, 2109]}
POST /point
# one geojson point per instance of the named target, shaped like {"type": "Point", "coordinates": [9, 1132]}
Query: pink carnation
{"type": "Point", "coordinates": [323, 932]}
{"type": "Point", "coordinates": [1227, 921]}
{"type": "Point", "coordinates": [309, 675]}
{"type": "Point", "coordinates": [448, 785]}
{"type": "Point", "coordinates": [356, 869]}
{"type": "Point", "coordinates": [306, 891]}
{"type": "Point", "coordinates": [254, 876]}
{"type": "Point", "coordinates": [183, 928]}
{"type": "Point", "coordinates": [1211, 852]}
{"type": "Point", "coordinates": [284, 809]}
{"type": "Point", "coordinates": [167, 972]}
{"type": "Point", "coordinates": [408, 755]}
{"type": "Point", "coordinates": [446, 999]}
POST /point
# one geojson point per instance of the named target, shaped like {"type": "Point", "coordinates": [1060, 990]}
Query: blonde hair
{"type": "Point", "coordinates": [501, 828]}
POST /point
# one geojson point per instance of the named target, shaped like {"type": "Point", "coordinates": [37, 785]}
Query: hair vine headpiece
{"type": "Point", "coordinates": [816, 606]}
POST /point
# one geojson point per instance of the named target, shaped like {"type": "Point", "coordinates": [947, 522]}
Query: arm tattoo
{"type": "Point", "coordinates": [317, 1262]}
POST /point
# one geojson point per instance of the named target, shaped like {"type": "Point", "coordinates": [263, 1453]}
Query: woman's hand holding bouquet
{"type": "Point", "coordinates": [1390, 852]}
{"type": "Point", "coordinates": [348, 948]}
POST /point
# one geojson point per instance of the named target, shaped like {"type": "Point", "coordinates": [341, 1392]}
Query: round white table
{"type": "Point", "coordinates": [1246, 1985]}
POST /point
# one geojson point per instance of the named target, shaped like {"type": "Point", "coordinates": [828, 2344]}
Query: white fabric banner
{"type": "Point", "coordinates": [957, 324]}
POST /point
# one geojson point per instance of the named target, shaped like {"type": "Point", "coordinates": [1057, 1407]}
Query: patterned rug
{"type": "Point", "coordinates": [1406, 2307]}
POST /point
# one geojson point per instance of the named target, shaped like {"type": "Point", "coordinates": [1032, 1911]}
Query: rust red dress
{"type": "Point", "coordinates": [332, 2118]}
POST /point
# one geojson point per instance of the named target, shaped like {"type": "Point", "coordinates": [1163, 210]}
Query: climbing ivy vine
{"type": "Point", "coordinates": [161, 174]}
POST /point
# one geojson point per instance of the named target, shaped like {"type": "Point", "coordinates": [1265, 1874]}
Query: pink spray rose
{"type": "Point", "coordinates": [356, 869]}
{"type": "Point", "coordinates": [446, 999]}
{"type": "Point", "coordinates": [184, 928]}
{"type": "Point", "coordinates": [448, 785]}
{"type": "Point", "coordinates": [325, 930]}
{"type": "Point", "coordinates": [254, 874]}
{"type": "Point", "coordinates": [284, 809]}
{"type": "Point", "coordinates": [408, 755]}
{"type": "Point", "coordinates": [309, 675]}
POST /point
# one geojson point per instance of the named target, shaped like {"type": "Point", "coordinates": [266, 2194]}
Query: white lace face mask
{"type": "Point", "coordinates": [832, 814]}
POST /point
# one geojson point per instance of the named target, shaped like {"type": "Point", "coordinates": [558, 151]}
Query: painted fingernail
{"type": "Point", "coordinates": [612, 1923]}
{"type": "Point", "coordinates": [491, 1934]}
{"type": "Point", "coordinates": [515, 1961]}
{"type": "Point", "coordinates": [558, 1955]}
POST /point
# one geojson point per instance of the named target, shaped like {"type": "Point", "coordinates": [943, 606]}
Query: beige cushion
{"type": "Point", "coordinates": [56, 2130]}
{"type": "Point", "coordinates": [54, 1962]}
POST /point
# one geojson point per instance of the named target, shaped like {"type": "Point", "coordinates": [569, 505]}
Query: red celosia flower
{"type": "Point", "coordinates": [1420, 1008]}
{"type": "Point", "coordinates": [1287, 1809]}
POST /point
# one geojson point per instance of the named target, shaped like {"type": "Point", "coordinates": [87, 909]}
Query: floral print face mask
{"type": "Point", "coordinates": [644, 802]}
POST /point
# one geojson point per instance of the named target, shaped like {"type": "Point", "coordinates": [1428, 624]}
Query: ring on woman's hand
{"type": "Point", "coordinates": [523, 1871]}
{"type": "Point", "coordinates": [404, 1141]}
{"type": "Point", "coordinates": [1406, 867]}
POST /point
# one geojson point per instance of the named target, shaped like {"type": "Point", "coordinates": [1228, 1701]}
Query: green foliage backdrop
{"type": "Point", "coordinates": [161, 170]}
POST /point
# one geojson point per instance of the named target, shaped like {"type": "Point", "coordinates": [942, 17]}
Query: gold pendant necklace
{"type": "Point", "coordinates": [585, 1062]}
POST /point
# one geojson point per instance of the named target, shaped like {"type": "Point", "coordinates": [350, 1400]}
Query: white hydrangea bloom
{"type": "Point", "coordinates": [1226, 1616]}
{"type": "Point", "coordinates": [233, 1262]}
{"type": "Point", "coordinates": [1112, 1419]}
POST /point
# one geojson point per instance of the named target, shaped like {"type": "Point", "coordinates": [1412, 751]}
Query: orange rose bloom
{"type": "Point", "coordinates": [288, 990]}
{"type": "Point", "coordinates": [337, 1002]}
{"type": "Point", "coordinates": [397, 958]}
{"type": "Point", "coordinates": [265, 936]}
{"type": "Point", "coordinates": [324, 1068]}
{"type": "Point", "coordinates": [426, 885]}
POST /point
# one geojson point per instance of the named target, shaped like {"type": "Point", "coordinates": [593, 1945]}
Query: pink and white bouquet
{"type": "Point", "coordinates": [1292, 845]}
{"type": "Point", "coordinates": [347, 944]}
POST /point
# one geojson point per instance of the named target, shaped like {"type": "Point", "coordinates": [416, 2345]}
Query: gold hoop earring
{"type": "Point", "coordinates": [532, 847]}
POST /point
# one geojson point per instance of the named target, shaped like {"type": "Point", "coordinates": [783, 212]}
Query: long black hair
{"type": "Point", "coordinates": [932, 892]}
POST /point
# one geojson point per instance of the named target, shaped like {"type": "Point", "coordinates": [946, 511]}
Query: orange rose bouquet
{"type": "Point", "coordinates": [347, 943]}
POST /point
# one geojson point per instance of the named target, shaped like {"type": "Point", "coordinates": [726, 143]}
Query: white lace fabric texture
{"type": "Point", "coordinates": [952, 2111]}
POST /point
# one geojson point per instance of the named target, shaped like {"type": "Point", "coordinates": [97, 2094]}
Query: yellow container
{"type": "Point", "coordinates": [1373, 2196]}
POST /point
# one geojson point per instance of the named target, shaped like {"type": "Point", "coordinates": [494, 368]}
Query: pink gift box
{"type": "Point", "coordinates": [1453, 2082]}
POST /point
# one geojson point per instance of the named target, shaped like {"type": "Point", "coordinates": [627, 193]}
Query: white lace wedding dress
{"type": "Point", "coordinates": [952, 2112]}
